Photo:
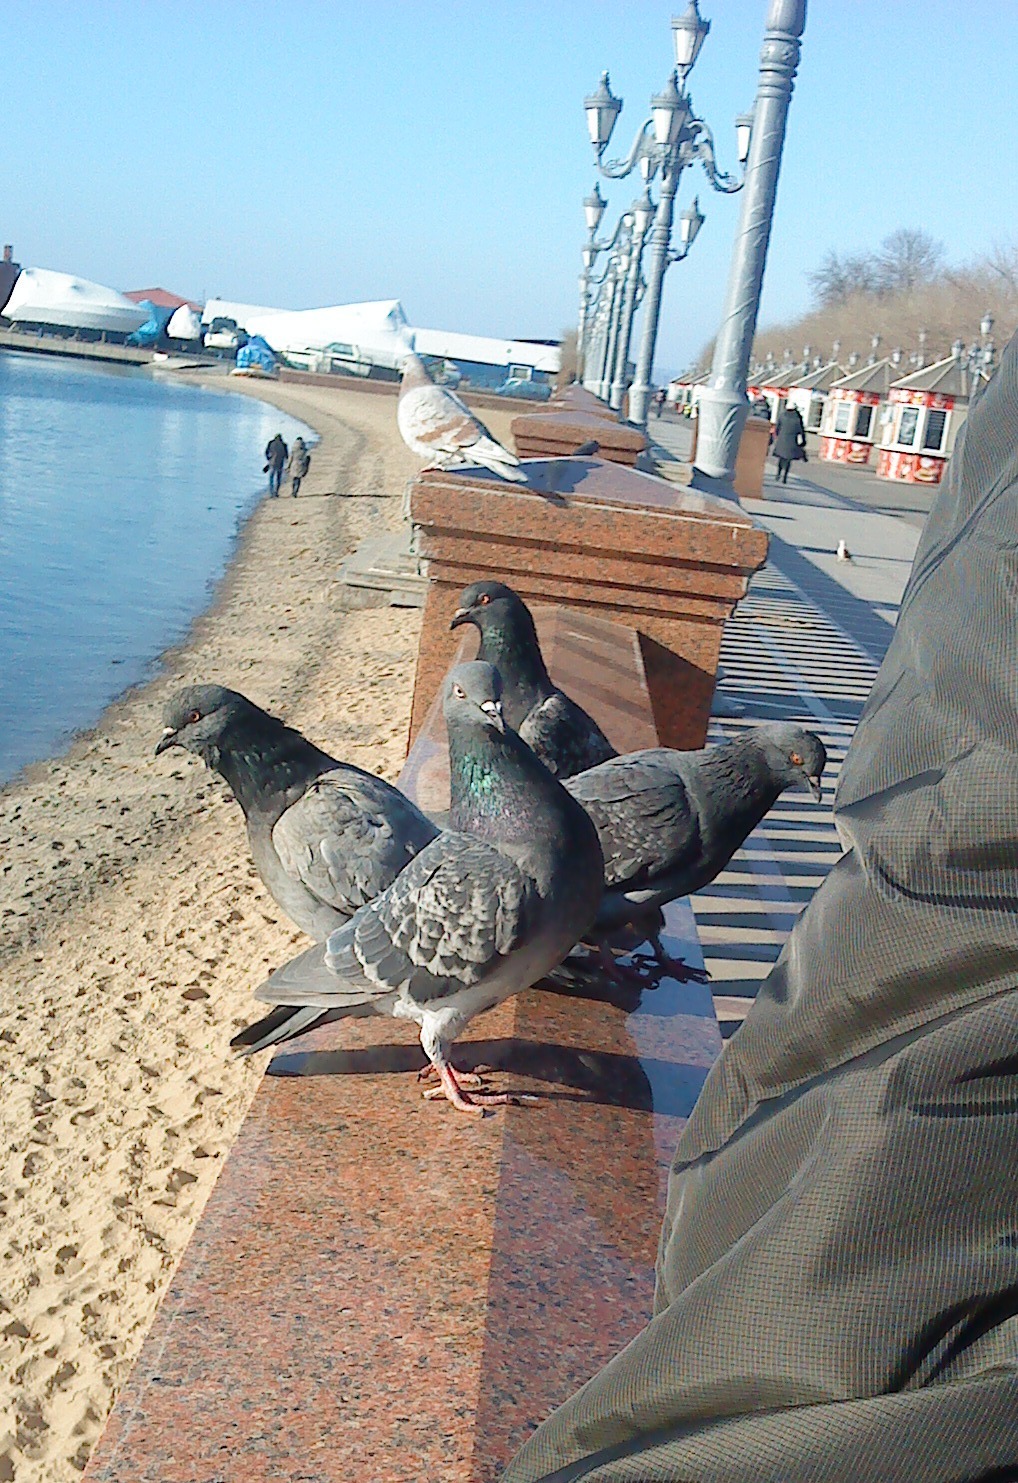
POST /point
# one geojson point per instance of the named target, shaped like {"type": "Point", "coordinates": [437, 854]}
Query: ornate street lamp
{"type": "Point", "coordinates": [593, 209]}
{"type": "Point", "coordinates": [642, 214]}
{"type": "Point", "coordinates": [666, 142]}
{"type": "Point", "coordinates": [743, 134]}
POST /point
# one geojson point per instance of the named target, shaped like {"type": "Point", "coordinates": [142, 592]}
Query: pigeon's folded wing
{"type": "Point", "coordinates": [644, 817]}
{"type": "Point", "coordinates": [436, 416]}
{"type": "Point", "coordinates": [565, 738]}
{"type": "Point", "coordinates": [348, 837]}
{"type": "Point", "coordinates": [441, 926]}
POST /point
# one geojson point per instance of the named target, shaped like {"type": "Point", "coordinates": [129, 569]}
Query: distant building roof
{"type": "Point", "coordinates": [782, 376]}
{"type": "Point", "coordinates": [875, 378]}
{"type": "Point", "coordinates": [487, 351]}
{"type": "Point", "coordinates": [948, 377]}
{"type": "Point", "coordinates": [822, 378]}
{"type": "Point", "coordinates": [161, 297]}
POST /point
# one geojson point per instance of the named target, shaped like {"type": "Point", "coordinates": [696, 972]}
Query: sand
{"type": "Point", "coordinates": [134, 929]}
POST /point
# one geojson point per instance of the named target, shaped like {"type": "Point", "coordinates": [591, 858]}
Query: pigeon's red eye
{"type": "Point", "coordinates": [194, 716]}
{"type": "Point", "coordinates": [484, 599]}
{"type": "Point", "coordinates": [795, 759]}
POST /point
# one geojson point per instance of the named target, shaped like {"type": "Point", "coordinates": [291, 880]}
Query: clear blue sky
{"type": "Point", "coordinates": [304, 153]}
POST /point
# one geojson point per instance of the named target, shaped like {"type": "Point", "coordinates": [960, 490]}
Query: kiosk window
{"type": "Point", "coordinates": [933, 436]}
{"type": "Point", "coordinates": [863, 422]}
{"type": "Point", "coordinates": [907, 427]}
{"type": "Point", "coordinates": [842, 417]}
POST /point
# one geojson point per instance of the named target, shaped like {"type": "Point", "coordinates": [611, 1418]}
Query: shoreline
{"type": "Point", "coordinates": [135, 929]}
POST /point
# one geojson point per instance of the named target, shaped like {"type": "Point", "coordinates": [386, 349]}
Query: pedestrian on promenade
{"type": "Point", "coordinates": [300, 462]}
{"type": "Point", "coordinates": [659, 401]}
{"type": "Point", "coordinates": [275, 462]}
{"type": "Point", "coordinates": [789, 441]}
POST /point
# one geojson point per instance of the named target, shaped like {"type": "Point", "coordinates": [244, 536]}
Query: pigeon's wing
{"type": "Point", "coordinates": [442, 925]}
{"type": "Point", "coordinates": [565, 738]}
{"type": "Point", "coordinates": [645, 818]}
{"type": "Point", "coordinates": [348, 837]}
{"type": "Point", "coordinates": [433, 419]}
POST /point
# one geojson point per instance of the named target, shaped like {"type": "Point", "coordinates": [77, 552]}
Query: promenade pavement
{"type": "Point", "coordinates": [804, 646]}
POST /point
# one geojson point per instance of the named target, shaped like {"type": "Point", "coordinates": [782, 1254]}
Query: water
{"type": "Point", "coordinates": [120, 501]}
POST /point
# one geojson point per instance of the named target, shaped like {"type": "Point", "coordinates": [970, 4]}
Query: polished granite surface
{"type": "Point", "coordinates": [382, 1289]}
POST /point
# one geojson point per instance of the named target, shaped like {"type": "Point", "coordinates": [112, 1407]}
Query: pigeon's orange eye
{"type": "Point", "coordinates": [459, 692]}
{"type": "Point", "coordinates": [484, 599]}
{"type": "Point", "coordinates": [795, 759]}
{"type": "Point", "coordinates": [194, 716]}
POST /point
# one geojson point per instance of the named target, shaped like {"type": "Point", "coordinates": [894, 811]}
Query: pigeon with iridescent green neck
{"type": "Point", "coordinates": [488, 908]}
{"type": "Point", "coordinates": [565, 738]}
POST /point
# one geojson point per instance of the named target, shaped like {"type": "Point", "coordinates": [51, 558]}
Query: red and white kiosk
{"type": "Point", "coordinates": [849, 426]}
{"type": "Point", "coordinates": [924, 414]}
{"type": "Point", "coordinates": [809, 394]}
{"type": "Point", "coordinates": [774, 388]}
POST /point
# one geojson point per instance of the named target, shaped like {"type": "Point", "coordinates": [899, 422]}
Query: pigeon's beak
{"type": "Point", "coordinates": [493, 710]}
{"type": "Point", "coordinates": [461, 615]}
{"type": "Point", "coordinates": [813, 784]}
{"type": "Point", "coordinates": [168, 739]}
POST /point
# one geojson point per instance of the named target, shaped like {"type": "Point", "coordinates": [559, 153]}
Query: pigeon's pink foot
{"type": "Point", "coordinates": [463, 1102]}
{"type": "Point", "coordinates": [463, 1078]}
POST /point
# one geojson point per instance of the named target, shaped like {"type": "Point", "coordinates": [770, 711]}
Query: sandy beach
{"type": "Point", "coordinates": [135, 928]}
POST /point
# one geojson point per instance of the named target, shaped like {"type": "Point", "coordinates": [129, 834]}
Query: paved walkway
{"type": "Point", "coordinates": [805, 645]}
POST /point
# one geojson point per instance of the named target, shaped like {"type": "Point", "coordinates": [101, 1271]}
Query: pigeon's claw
{"type": "Point", "coordinates": [450, 1088]}
{"type": "Point", "coordinates": [464, 1078]}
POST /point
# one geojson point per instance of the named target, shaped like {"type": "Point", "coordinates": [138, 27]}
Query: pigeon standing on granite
{"type": "Point", "coordinates": [669, 822]}
{"type": "Point", "coordinates": [326, 837]}
{"type": "Point", "coordinates": [485, 910]}
{"type": "Point", "coordinates": [565, 738]}
{"type": "Point", "coordinates": [436, 423]}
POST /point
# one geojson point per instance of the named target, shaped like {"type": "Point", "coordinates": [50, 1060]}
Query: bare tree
{"type": "Point", "coordinates": [569, 365]}
{"type": "Point", "coordinates": [907, 258]}
{"type": "Point", "coordinates": [838, 278]}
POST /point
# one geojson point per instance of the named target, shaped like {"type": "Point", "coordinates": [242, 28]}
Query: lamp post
{"type": "Point", "coordinates": [593, 206]}
{"type": "Point", "coordinates": [642, 212]}
{"type": "Point", "coordinates": [665, 143]}
{"type": "Point", "coordinates": [980, 356]}
{"type": "Point", "coordinates": [723, 404]}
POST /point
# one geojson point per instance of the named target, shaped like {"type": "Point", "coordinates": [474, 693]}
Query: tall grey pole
{"type": "Point", "coordinates": [618, 386]}
{"type": "Point", "coordinates": [581, 324]}
{"type": "Point", "coordinates": [660, 239]}
{"type": "Point", "coordinates": [723, 406]}
{"type": "Point", "coordinates": [614, 322]}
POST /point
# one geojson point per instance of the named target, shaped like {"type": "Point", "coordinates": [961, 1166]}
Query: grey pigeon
{"type": "Point", "coordinates": [669, 822]}
{"type": "Point", "coordinates": [435, 422]}
{"type": "Point", "coordinates": [565, 738]}
{"type": "Point", "coordinates": [326, 837]}
{"type": "Point", "coordinates": [485, 910]}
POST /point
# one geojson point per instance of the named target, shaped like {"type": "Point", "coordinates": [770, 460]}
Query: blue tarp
{"type": "Point", "coordinates": [257, 353]}
{"type": "Point", "coordinates": [154, 325]}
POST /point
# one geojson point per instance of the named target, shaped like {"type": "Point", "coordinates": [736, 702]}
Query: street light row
{"type": "Point", "coordinates": [666, 142]}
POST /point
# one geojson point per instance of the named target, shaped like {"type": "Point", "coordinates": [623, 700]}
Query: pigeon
{"type": "Point", "coordinates": [483, 911]}
{"type": "Point", "coordinates": [669, 822]}
{"type": "Point", "coordinates": [844, 554]}
{"type": "Point", "coordinates": [435, 422]}
{"type": "Point", "coordinates": [565, 738]}
{"type": "Point", "coordinates": [326, 837]}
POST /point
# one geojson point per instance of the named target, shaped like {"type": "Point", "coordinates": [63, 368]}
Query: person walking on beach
{"type": "Point", "coordinates": [789, 442]}
{"type": "Point", "coordinates": [275, 461]}
{"type": "Point", "coordinates": [300, 462]}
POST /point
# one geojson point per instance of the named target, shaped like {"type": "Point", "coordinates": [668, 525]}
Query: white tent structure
{"type": "Point", "coordinates": [349, 337]}
{"type": "Point", "coordinates": [42, 296]}
{"type": "Point", "coordinates": [184, 324]}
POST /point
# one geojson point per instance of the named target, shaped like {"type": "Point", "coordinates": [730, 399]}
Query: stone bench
{"type": "Point", "coordinates": [599, 539]}
{"type": "Point", "coordinates": [558, 433]}
{"type": "Point", "coordinates": [384, 1290]}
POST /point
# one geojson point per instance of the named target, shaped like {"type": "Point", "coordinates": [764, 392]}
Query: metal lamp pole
{"type": "Point", "coordinates": [672, 138]}
{"type": "Point", "coordinates": [723, 405]}
{"type": "Point", "coordinates": [642, 211]}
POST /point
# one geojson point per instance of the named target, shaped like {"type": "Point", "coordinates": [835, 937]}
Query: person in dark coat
{"type": "Point", "coordinates": [275, 461]}
{"type": "Point", "coordinates": [300, 462]}
{"type": "Point", "coordinates": [789, 441]}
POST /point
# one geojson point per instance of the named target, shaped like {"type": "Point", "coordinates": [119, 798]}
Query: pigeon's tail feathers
{"type": "Point", "coordinates": [499, 460]}
{"type": "Point", "coordinates": [281, 1024]}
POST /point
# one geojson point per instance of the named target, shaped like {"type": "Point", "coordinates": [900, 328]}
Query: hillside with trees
{"type": "Point", "coordinates": [903, 291]}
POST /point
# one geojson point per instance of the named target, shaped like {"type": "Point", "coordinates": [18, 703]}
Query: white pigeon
{"type": "Point", "coordinates": [435, 422]}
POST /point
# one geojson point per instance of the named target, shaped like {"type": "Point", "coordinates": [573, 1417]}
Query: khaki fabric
{"type": "Point", "coordinates": [838, 1271]}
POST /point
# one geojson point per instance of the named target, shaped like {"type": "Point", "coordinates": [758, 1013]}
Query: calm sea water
{"type": "Point", "coordinates": [120, 501]}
